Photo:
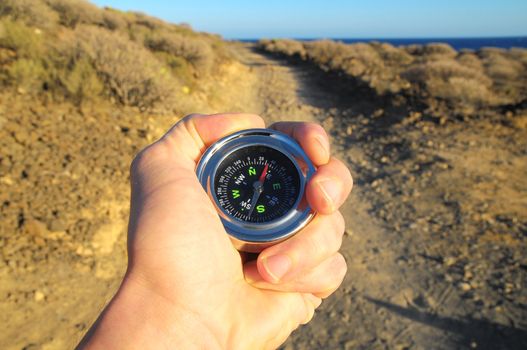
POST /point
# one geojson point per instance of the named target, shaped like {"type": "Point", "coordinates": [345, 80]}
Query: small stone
{"type": "Point", "coordinates": [465, 286]}
{"type": "Point", "coordinates": [39, 296]}
{"type": "Point", "coordinates": [35, 228]}
{"type": "Point", "coordinates": [57, 225]}
{"type": "Point", "coordinates": [6, 180]}
{"type": "Point", "coordinates": [449, 261]}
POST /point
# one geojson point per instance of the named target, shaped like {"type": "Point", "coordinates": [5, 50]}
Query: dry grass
{"type": "Point", "coordinates": [71, 50]}
{"type": "Point", "coordinates": [436, 74]}
{"type": "Point", "coordinates": [195, 51]}
{"type": "Point", "coordinates": [31, 12]}
{"type": "Point", "coordinates": [74, 12]}
{"type": "Point", "coordinates": [130, 72]}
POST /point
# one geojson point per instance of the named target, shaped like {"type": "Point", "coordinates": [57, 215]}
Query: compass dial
{"type": "Point", "coordinates": [257, 184]}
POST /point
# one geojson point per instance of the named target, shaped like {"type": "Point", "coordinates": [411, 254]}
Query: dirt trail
{"type": "Point", "coordinates": [287, 94]}
{"type": "Point", "coordinates": [436, 253]}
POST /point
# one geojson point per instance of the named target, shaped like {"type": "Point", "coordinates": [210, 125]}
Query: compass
{"type": "Point", "coordinates": [256, 180]}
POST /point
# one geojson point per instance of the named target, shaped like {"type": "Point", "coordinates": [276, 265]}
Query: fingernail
{"type": "Point", "coordinates": [277, 266]}
{"type": "Point", "coordinates": [323, 145]}
{"type": "Point", "coordinates": [331, 190]}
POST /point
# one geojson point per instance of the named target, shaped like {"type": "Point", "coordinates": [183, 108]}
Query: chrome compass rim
{"type": "Point", "coordinates": [252, 236]}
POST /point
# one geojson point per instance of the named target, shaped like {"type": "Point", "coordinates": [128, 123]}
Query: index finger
{"type": "Point", "coordinates": [311, 136]}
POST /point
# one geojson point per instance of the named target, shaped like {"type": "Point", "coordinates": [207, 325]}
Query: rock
{"type": "Point", "coordinates": [35, 228]}
{"type": "Point", "coordinates": [465, 287]}
{"type": "Point", "coordinates": [57, 225]}
{"type": "Point", "coordinates": [105, 238]}
{"type": "Point", "coordinates": [39, 296]}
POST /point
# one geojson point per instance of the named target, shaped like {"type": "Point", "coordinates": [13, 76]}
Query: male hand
{"type": "Point", "coordinates": [186, 286]}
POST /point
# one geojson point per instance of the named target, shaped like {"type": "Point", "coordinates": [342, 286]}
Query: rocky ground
{"type": "Point", "coordinates": [437, 222]}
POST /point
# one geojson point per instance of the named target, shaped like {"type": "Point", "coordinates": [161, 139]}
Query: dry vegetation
{"type": "Point", "coordinates": [446, 82]}
{"type": "Point", "coordinates": [72, 50]}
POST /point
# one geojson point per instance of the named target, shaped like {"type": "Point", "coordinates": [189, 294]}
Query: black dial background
{"type": "Point", "coordinates": [233, 175]}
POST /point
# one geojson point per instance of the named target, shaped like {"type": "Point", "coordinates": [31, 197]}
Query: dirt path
{"type": "Point", "coordinates": [286, 94]}
{"type": "Point", "coordinates": [424, 271]}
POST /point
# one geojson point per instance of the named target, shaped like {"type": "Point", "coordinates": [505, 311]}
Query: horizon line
{"type": "Point", "coordinates": [383, 38]}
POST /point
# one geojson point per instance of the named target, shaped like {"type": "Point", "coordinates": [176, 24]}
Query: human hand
{"type": "Point", "coordinates": [186, 286]}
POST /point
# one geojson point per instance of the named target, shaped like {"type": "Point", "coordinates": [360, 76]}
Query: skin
{"type": "Point", "coordinates": [186, 286]}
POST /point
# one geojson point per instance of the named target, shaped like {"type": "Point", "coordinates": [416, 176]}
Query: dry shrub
{"type": "Point", "coordinates": [149, 22]}
{"type": "Point", "coordinates": [25, 41]}
{"type": "Point", "coordinates": [285, 46]}
{"type": "Point", "coordinates": [461, 92]}
{"type": "Point", "coordinates": [113, 19]}
{"type": "Point", "coordinates": [27, 75]}
{"type": "Point", "coordinates": [448, 80]}
{"type": "Point", "coordinates": [432, 51]}
{"type": "Point", "coordinates": [74, 12]}
{"type": "Point", "coordinates": [130, 72]}
{"type": "Point", "coordinates": [81, 82]}
{"type": "Point", "coordinates": [439, 49]}
{"type": "Point", "coordinates": [519, 54]}
{"type": "Point", "coordinates": [393, 56]}
{"type": "Point", "coordinates": [195, 51]}
{"type": "Point", "coordinates": [469, 59]}
{"type": "Point", "coordinates": [32, 12]}
{"type": "Point", "coordinates": [500, 67]}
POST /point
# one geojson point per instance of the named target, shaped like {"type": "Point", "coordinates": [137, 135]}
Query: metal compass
{"type": "Point", "coordinates": [256, 180]}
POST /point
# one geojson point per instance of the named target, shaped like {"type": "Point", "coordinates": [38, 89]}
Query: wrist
{"type": "Point", "coordinates": [136, 317]}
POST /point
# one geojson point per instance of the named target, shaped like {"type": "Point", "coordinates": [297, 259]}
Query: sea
{"type": "Point", "coordinates": [456, 43]}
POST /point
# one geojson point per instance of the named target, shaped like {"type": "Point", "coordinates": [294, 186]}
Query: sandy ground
{"type": "Point", "coordinates": [437, 222]}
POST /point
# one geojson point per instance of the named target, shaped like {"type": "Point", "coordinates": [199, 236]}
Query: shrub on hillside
{"type": "Point", "coordinates": [114, 20]}
{"type": "Point", "coordinates": [459, 86]}
{"type": "Point", "coordinates": [393, 56]}
{"type": "Point", "coordinates": [130, 73]}
{"type": "Point", "coordinates": [432, 50]}
{"type": "Point", "coordinates": [285, 47]}
{"type": "Point", "coordinates": [27, 75]}
{"type": "Point", "coordinates": [499, 67]}
{"type": "Point", "coordinates": [32, 12]}
{"type": "Point", "coordinates": [74, 12]}
{"type": "Point", "coordinates": [195, 51]}
{"type": "Point", "coordinates": [469, 59]}
{"type": "Point", "coordinates": [25, 41]}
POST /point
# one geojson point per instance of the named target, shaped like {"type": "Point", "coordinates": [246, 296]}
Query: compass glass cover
{"type": "Point", "coordinates": [257, 184]}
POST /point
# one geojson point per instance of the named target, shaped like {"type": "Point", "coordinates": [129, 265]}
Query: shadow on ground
{"type": "Point", "coordinates": [482, 333]}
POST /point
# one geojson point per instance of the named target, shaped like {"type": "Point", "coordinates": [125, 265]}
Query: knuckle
{"type": "Point", "coordinates": [337, 269]}
{"type": "Point", "coordinates": [152, 153]}
{"type": "Point", "coordinates": [339, 222]}
{"type": "Point", "coordinates": [326, 239]}
{"type": "Point", "coordinates": [309, 308]}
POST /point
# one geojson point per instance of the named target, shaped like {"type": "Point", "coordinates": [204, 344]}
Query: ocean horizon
{"type": "Point", "coordinates": [456, 43]}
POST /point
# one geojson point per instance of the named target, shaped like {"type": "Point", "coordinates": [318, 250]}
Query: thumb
{"type": "Point", "coordinates": [164, 183]}
{"type": "Point", "coordinates": [184, 143]}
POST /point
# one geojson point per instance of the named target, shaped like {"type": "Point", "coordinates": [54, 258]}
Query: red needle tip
{"type": "Point", "coordinates": [264, 172]}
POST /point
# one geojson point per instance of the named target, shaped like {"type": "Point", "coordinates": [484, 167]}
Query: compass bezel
{"type": "Point", "coordinates": [255, 236]}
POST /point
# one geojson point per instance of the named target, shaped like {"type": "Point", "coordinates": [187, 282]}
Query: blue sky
{"type": "Point", "coordinates": [236, 19]}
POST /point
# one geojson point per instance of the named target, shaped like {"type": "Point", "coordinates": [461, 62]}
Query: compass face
{"type": "Point", "coordinates": [257, 184]}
